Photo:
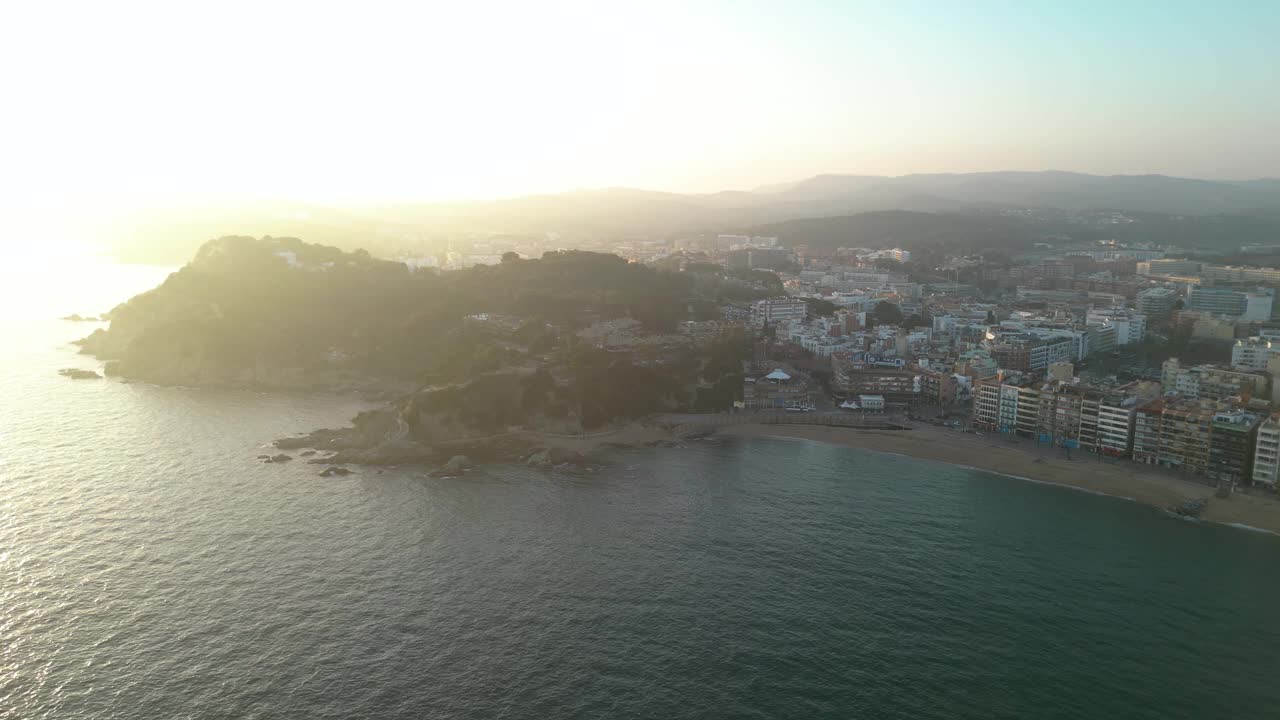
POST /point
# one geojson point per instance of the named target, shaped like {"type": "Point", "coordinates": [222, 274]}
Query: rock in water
{"type": "Point", "coordinates": [78, 374]}
{"type": "Point", "coordinates": [550, 457]}
{"type": "Point", "coordinates": [458, 463]}
{"type": "Point", "coordinates": [541, 458]}
{"type": "Point", "coordinates": [281, 458]}
{"type": "Point", "coordinates": [335, 471]}
{"type": "Point", "coordinates": [1193, 508]}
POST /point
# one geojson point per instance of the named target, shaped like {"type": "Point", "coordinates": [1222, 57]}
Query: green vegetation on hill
{"type": "Point", "coordinates": [277, 311]}
{"type": "Point", "coordinates": [590, 389]}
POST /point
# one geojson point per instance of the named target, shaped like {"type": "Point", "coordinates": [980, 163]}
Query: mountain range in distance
{"type": "Point", "coordinates": [621, 213]}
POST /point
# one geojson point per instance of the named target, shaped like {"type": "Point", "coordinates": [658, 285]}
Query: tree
{"type": "Point", "coordinates": [886, 313]}
{"type": "Point", "coordinates": [991, 317]}
{"type": "Point", "coordinates": [819, 307]}
{"type": "Point", "coordinates": [510, 256]}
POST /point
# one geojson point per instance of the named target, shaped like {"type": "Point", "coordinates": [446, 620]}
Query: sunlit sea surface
{"type": "Point", "coordinates": [151, 568]}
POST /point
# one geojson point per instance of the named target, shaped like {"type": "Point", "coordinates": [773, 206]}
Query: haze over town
{"type": "Point", "coordinates": [426, 102]}
{"type": "Point", "coordinates": [699, 359]}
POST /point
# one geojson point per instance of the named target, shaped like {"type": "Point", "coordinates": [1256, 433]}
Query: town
{"type": "Point", "coordinates": [1153, 354]}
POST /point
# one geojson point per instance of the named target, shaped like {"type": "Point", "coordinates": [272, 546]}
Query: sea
{"type": "Point", "coordinates": [151, 568]}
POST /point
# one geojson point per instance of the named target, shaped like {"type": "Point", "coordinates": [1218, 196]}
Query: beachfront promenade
{"type": "Point", "coordinates": [683, 423]}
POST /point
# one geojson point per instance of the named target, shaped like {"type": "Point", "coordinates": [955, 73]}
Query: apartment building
{"type": "Point", "coordinates": [1266, 455]}
{"type": "Point", "coordinates": [1213, 382]}
{"type": "Point", "coordinates": [1232, 445]}
{"type": "Point", "coordinates": [1252, 354]}
{"type": "Point", "coordinates": [897, 384]}
{"type": "Point", "coordinates": [1186, 430]}
{"type": "Point", "coordinates": [1071, 415]}
{"type": "Point", "coordinates": [1156, 303]}
{"type": "Point", "coordinates": [1230, 273]}
{"type": "Point", "coordinates": [1168, 267]}
{"type": "Point", "coordinates": [1252, 305]}
{"type": "Point", "coordinates": [1148, 426]}
{"type": "Point", "coordinates": [1097, 419]}
{"type": "Point", "coordinates": [1130, 326]}
{"type": "Point", "coordinates": [936, 388]}
{"type": "Point", "coordinates": [1116, 425]}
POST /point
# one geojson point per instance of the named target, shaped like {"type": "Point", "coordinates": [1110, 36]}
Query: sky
{"type": "Point", "coordinates": [126, 103]}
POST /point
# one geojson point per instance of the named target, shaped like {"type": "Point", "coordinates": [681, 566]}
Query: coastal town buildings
{"type": "Point", "coordinates": [1165, 266]}
{"type": "Point", "coordinates": [1065, 414]}
{"type": "Point", "coordinates": [1266, 456]}
{"type": "Point", "coordinates": [1057, 347]}
{"type": "Point", "coordinates": [1252, 354]}
{"type": "Point", "coordinates": [871, 377]}
{"type": "Point", "coordinates": [1131, 326]}
{"type": "Point", "coordinates": [775, 310]}
{"type": "Point", "coordinates": [1231, 302]}
{"type": "Point", "coordinates": [777, 390]}
{"type": "Point", "coordinates": [1157, 302]}
{"type": "Point", "coordinates": [1232, 445]}
{"type": "Point", "coordinates": [1212, 382]}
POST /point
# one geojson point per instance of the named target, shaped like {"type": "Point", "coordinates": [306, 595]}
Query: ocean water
{"type": "Point", "coordinates": [151, 568]}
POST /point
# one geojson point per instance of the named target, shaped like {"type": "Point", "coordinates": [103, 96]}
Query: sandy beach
{"type": "Point", "coordinates": [1118, 478]}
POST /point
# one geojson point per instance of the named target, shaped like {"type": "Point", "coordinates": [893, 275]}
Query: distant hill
{"type": "Point", "coordinates": [1048, 189]}
{"type": "Point", "coordinates": [620, 213]}
{"type": "Point", "coordinates": [974, 230]}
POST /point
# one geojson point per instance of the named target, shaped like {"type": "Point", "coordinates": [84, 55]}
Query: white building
{"type": "Point", "coordinates": [776, 310]}
{"type": "Point", "coordinates": [1115, 425]}
{"type": "Point", "coordinates": [1252, 305]}
{"type": "Point", "coordinates": [1253, 353]}
{"type": "Point", "coordinates": [1130, 326]}
{"type": "Point", "coordinates": [892, 253]}
{"type": "Point", "coordinates": [871, 403]}
{"type": "Point", "coordinates": [1266, 455]}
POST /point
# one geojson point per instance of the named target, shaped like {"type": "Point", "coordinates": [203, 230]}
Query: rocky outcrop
{"type": "Point", "coordinates": [399, 453]}
{"type": "Point", "coordinates": [79, 374]}
{"type": "Point", "coordinates": [456, 467]}
{"type": "Point", "coordinates": [553, 456]}
{"type": "Point", "coordinates": [1193, 508]}
{"type": "Point", "coordinates": [367, 431]}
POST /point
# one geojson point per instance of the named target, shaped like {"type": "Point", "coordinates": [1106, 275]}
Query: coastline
{"type": "Point", "coordinates": [1114, 478]}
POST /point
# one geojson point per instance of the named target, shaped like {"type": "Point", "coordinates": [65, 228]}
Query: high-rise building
{"type": "Point", "coordinates": [1073, 415]}
{"type": "Point", "coordinates": [1266, 455]}
{"type": "Point", "coordinates": [1156, 302]}
{"type": "Point", "coordinates": [1232, 445]}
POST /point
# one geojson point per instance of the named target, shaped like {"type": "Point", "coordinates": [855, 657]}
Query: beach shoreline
{"type": "Point", "coordinates": [1119, 479]}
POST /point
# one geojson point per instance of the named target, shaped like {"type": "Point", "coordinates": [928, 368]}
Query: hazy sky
{"type": "Point", "coordinates": [123, 102]}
